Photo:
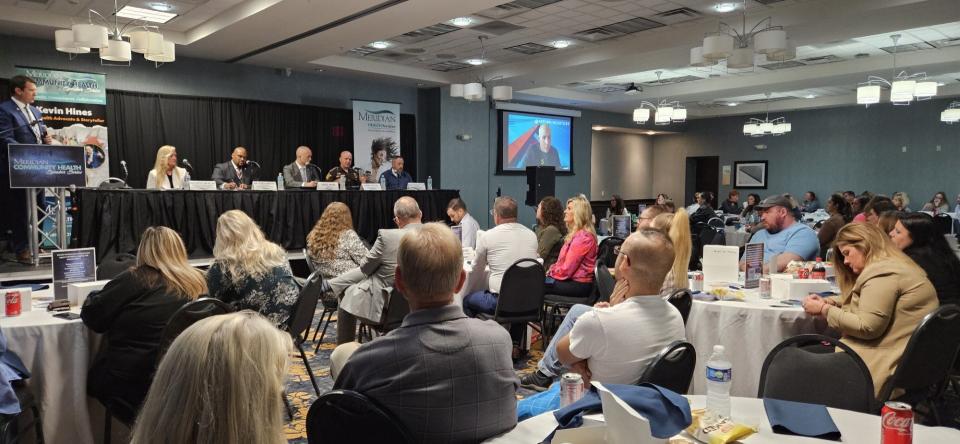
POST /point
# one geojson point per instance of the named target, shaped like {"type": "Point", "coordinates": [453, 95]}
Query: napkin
{"type": "Point", "coordinates": [798, 418]}
{"type": "Point", "coordinates": [667, 411]}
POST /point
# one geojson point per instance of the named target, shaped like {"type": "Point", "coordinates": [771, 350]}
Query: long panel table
{"type": "Point", "coordinates": [112, 220]}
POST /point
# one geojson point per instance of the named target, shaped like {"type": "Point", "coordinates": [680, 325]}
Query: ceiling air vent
{"type": "Point", "coordinates": [575, 84]}
{"type": "Point", "coordinates": [446, 56]}
{"type": "Point", "coordinates": [415, 50]}
{"type": "Point", "coordinates": [533, 4]}
{"type": "Point", "coordinates": [449, 66]}
{"type": "Point", "coordinates": [496, 27]}
{"type": "Point", "coordinates": [678, 15]}
{"type": "Point", "coordinates": [946, 42]}
{"type": "Point", "coordinates": [908, 47]}
{"type": "Point", "coordinates": [363, 51]}
{"type": "Point", "coordinates": [672, 80]}
{"type": "Point", "coordinates": [822, 59]}
{"type": "Point", "coordinates": [782, 65]}
{"type": "Point", "coordinates": [392, 56]}
{"type": "Point", "coordinates": [618, 29]}
{"type": "Point", "coordinates": [422, 34]}
{"type": "Point", "coordinates": [767, 2]}
{"type": "Point", "coordinates": [530, 48]}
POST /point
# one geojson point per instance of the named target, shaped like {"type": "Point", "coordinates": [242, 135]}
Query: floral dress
{"type": "Point", "coordinates": [273, 295]}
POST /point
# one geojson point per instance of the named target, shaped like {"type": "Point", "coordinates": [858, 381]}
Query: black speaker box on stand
{"type": "Point", "coordinates": [541, 181]}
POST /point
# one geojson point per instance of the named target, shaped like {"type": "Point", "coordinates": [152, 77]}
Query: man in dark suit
{"type": "Point", "coordinates": [20, 122]}
{"type": "Point", "coordinates": [396, 178]}
{"type": "Point", "coordinates": [301, 173]}
{"type": "Point", "coordinates": [235, 174]}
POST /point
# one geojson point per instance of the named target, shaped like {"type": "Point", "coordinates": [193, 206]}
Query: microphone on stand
{"type": "Point", "coordinates": [186, 163]}
{"type": "Point", "coordinates": [126, 173]}
{"type": "Point", "coordinates": [254, 162]}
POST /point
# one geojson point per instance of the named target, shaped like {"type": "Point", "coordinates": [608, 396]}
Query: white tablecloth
{"type": "Point", "coordinates": [476, 281]}
{"type": "Point", "coordinates": [748, 330]}
{"type": "Point", "coordinates": [856, 428]}
{"type": "Point", "coordinates": [58, 354]}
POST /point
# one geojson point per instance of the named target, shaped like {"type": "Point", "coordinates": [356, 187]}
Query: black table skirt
{"type": "Point", "coordinates": [113, 220]}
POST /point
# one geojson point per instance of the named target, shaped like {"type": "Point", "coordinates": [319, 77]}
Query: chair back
{"type": "Point", "coordinates": [843, 380]}
{"type": "Point", "coordinates": [395, 309]}
{"type": "Point", "coordinates": [715, 222]}
{"type": "Point", "coordinates": [521, 292]}
{"type": "Point", "coordinates": [342, 416]}
{"type": "Point", "coordinates": [673, 367]}
{"type": "Point", "coordinates": [929, 355]}
{"type": "Point", "coordinates": [189, 314]}
{"type": "Point", "coordinates": [605, 281]}
{"type": "Point", "coordinates": [713, 236]}
{"type": "Point", "coordinates": [944, 222]}
{"type": "Point", "coordinates": [608, 249]}
{"type": "Point", "coordinates": [114, 264]}
{"type": "Point", "coordinates": [303, 311]}
{"type": "Point", "coordinates": [310, 265]}
{"type": "Point", "coordinates": [682, 300]}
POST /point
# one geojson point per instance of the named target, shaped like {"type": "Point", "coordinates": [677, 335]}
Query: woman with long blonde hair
{"type": "Point", "coordinates": [220, 382]}
{"type": "Point", "coordinates": [132, 310]}
{"type": "Point", "coordinates": [332, 244]}
{"type": "Point", "coordinates": [883, 297]}
{"type": "Point", "coordinates": [677, 227]}
{"type": "Point", "coordinates": [166, 175]}
{"type": "Point", "coordinates": [249, 271]}
{"type": "Point", "coordinates": [572, 274]}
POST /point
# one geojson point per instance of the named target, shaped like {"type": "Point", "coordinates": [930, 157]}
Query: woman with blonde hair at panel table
{"type": "Point", "coordinates": [221, 382]}
{"type": "Point", "coordinates": [166, 175]}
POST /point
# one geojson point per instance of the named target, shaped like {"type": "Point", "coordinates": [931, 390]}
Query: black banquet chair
{"type": "Point", "coordinates": [342, 416]}
{"type": "Point", "coordinates": [191, 313]}
{"type": "Point", "coordinates": [395, 308]}
{"type": "Point", "coordinates": [682, 300]}
{"type": "Point", "coordinates": [13, 428]}
{"type": "Point", "coordinates": [673, 367]}
{"type": "Point", "coordinates": [605, 282]}
{"type": "Point", "coordinates": [608, 249]}
{"type": "Point", "coordinates": [302, 317]}
{"type": "Point", "coordinates": [842, 379]}
{"type": "Point", "coordinates": [521, 296]}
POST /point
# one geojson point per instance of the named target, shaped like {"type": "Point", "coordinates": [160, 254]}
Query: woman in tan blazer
{"type": "Point", "coordinates": [884, 296]}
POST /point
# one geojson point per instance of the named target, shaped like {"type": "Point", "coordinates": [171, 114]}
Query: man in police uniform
{"type": "Point", "coordinates": [353, 178]}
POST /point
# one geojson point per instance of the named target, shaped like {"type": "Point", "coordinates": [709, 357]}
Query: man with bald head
{"type": "Point", "coordinates": [235, 174]}
{"type": "Point", "coordinates": [544, 154]}
{"type": "Point", "coordinates": [359, 289]}
{"type": "Point", "coordinates": [353, 178]}
{"type": "Point", "coordinates": [614, 342]}
{"type": "Point", "coordinates": [301, 173]}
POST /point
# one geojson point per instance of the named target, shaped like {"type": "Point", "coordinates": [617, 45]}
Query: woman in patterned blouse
{"type": "Point", "coordinates": [250, 272]}
{"type": "Point", "coordinates": [332, 244]}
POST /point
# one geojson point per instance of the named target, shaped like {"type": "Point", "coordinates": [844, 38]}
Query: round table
{"type": "Point", "coordinates": [748, 330]}
{"type": "Point", "coordinates": [855, 427]}
{"type": "Point", "coordinates": [58, 354]}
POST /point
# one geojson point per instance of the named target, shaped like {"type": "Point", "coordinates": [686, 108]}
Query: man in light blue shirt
{"type": "Point", "coordinates": [783, 237]}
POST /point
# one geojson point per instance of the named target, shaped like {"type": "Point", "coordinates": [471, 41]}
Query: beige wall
{"type": "Point", "coordinates": [621, 163]}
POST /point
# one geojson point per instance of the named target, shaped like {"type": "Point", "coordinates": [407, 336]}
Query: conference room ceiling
{"type": "Point", "coordinates": [612, 43]}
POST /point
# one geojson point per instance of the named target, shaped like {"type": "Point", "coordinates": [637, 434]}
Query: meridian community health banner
{"type": "Point", "coordinates": [376, 136]}
{"type": "Point", "coordinates": [74, 107]}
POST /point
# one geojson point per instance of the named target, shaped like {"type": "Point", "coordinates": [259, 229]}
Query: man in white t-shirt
{"type": "Point", "coordinates": [614, 342]}
{"type": "Point", "coordinates": [499, 248]}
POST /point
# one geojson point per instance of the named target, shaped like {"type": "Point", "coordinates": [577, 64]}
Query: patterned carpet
{"type": "Point", "coordinates": [300, 391]}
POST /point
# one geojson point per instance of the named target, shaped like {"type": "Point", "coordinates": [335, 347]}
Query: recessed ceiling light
{"type": "Point", "coordinates": [725, 7]}
{"type": "Point", "coordinates": [650, 133]}
{"type": "Point", "coordinates": [476, 62]}
{"type": "Point", "coordinates": [146, 15]}
{"type": "Point", "coordinates": [380, 44]}
{"type": "Point", "coordinates": [598, 128]}
{"type": "Point", "coordinates": [160, 6]}
{"type": "Point", "coordinates": [732, 103]}
{"type": "Point", "coordinates": [560, 44]}
{"type": "Point", "coordinates": [811, 96]}
{"type": "Point", "coordinates": [461, 21]}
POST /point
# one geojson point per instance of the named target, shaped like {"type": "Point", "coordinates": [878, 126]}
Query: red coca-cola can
{"type": "Point", "coordinates": [803, 273]}
{"type": "Point", "coordinates": [896, 423]}
{"type": "Point", "coordinates": [13, 303]}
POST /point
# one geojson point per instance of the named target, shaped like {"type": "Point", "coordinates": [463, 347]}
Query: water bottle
{"type": "Point", "coordinates": [719, 372]}
{"type": "Point", "coordinates": [342, 182]}
{"type": "Point", "coordinates": [429, 183]}
{"type": "Point", "coordinates": [383, 182]}
{"type": "Point", "coordinates": [186, 181]}
{"type": "Point", "coordinates": [280, 182]}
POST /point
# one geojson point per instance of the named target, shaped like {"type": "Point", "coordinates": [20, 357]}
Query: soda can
{"type": "Point", "coordinates": [13, 303]}
{"type": "Point", "coordinates": [896, 423]}
{"type": "Point", "coordinates": [696, 278]}
{"type": "Point", "coordinates": [803, 273]}
{"type": "Point", "coordinates": [571, 388]}
{"type": "Point", "coordinates": [765, 287]}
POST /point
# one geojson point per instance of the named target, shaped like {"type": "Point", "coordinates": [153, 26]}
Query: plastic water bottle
{"type": "Point", "coordinates": [719, 372]}
{"type": "Point", "coordinates": [429, 183]}
{"type": "Point", "coordinates": [186, 181]}
{"type": "Point", "coordinates": [383, 182]}
{"type": "Point", "coordinates": [280, 182]}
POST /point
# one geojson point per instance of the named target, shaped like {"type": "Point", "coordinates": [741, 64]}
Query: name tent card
{"type": "Point", "coordinates": [328, 186]}
{"type": "Point", "coordinates": [370, 187]}
{"type": "Point", "coordinates": [203, 185]}
{"type": "Point", "coordinates": [621, 226]}
{"type": "Point", "coordinates": [419, 186]}
{"type": "Point", "coordinates": [264, 185]}
{"type": "Point", "coordinates": [721, 263]}
{"type": "Point", "coordinates": [70, 267]}
{"type": "Point", "coordinates": [753, 258]}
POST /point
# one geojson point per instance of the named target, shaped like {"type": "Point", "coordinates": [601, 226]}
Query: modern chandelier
{"type": "Point", "coordinates": [738, 46]}
{"type": "Point", "coordinates": [477, 91]}
{"type": "Point", "coordinates": [108, 39]}
{"type": "Point", "coordinates": [766, 126]}
{"type": "Point", "coordinates": [951, 115]}
{"type": "Point", "coordinates": [904, 88]}
{"type": "Point", "coordinates": [665, 111]}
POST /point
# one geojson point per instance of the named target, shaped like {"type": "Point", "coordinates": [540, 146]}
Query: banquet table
{"type": "Point", "coordinates": [58, 354]}
{"type": "Point", "coordinates": [856, 428]}
{"type": "Point", "coordinates": [112, 220]}
{"type": "Point", "coordinates": [748, 330]}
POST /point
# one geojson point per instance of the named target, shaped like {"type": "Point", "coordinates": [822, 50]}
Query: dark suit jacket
{"type": "Point", "coordinates": [292, 177]}
{"type": "Point", "coordinates": [224, 173]}
{"type": "Point", "coordinates": [11, 117]}
{"type": "Point", "coordinates": [396, 183]}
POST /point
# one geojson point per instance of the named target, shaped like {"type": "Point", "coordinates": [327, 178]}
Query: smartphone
{"type": "Point", "coordinates": [67, 315]}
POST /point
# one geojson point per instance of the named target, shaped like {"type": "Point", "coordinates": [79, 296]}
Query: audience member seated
{"type": "Point", "coordinates": [888, 220]}
{"type": "Point", "coordinates": [732, 204]}
{"type": "Point", "coordinates": [901, 201]}
{"type": "Point", "coordinates": [938, 204]}
{"type": "Point", "coordinates": [332, 245]}
{"type": "Point", "coordinates": [750, 217]}
{"type": "Point", "coordinates": [250, 272]}
{"type": "Point", "coordinates": [705, 211]}
{"type": "Point", "coordinates": [11, 370]}
{"type": "Point", "coordinates": [499, 248]}
{"type": "Point", "coordinates": [617, 207]}
{"type": "Point", "coordinates": [301, 173]}
{"type": "Point", "coordinates": [857, 208]}
{"type": "Point", "coordinates": [697, 201]}
{"type": "Point", "coordinates": [877, 206]}
{"type": "Point", "coordinates": [784, 237]}
{"type": "Point", "coordinates": [166, 175]}
{"type": "Point", "coordinates": [550, 230]}
{"type": "Point", "coordinates": [839, 211]}
{"type": "Point", "coordinates": [849, 196]}
{"type": "Point", "coordinates": [448, 378]}
{"type": "Point", "coordinates": [572, 274]}
{"type": "Point", "coordinates": [810, 202]}
{"type": "Point", "coordinates": [649, 214]}
{"type": "Point", "coordinates": [662, 199]}
{"type": "Point", "coordinates": [884, 296]}
{"type": "Point", "coordinates": [221, 381]}
{"type": "Point", "coordinates": [360, 289]}
{"type": "Point", "coordinates": [614, 342]}
{"type": "Point", "coordinates": [677, 227]}
{"type": "Point", "coordinates": [132, 311]}
{"type": "Point", "coordinates": [457, 212]}
{"type": "Point", "coordinates": [396, 178]}
{"type": "Point", "coordinates": [918, 236]}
